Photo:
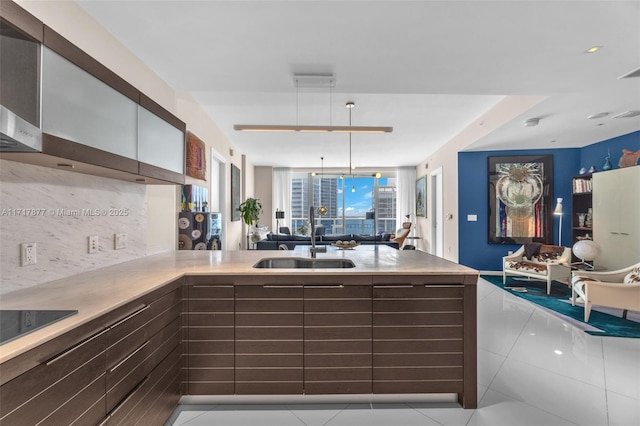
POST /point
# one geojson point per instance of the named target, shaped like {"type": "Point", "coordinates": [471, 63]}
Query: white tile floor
{"type": "Point", "coordinates": [533, 369]}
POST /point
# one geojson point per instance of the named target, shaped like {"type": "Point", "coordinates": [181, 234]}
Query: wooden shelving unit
{"type": "Point", "coordinates": [581, 202]}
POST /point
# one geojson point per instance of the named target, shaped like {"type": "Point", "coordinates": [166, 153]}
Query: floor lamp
{"type": "Point", "coordinates": [558, 212]}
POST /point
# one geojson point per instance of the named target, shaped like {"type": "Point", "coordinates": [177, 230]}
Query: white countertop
{"type": "Point", "coordinates": [97, 292]}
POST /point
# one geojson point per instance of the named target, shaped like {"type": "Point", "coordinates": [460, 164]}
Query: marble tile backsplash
{"type": "Point", "coordinates": [59, 210]}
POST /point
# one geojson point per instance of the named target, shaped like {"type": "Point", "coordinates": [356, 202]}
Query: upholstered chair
{"type": "Point", "coordinates": [614, 289]}
{"type": "Point", "coordinates": [402, 233]}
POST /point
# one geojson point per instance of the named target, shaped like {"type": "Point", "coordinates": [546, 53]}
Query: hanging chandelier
{"type": "Point", "coordinates": [322, 210]}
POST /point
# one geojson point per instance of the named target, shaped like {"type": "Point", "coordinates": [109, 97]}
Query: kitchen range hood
{"type": "Point", "coordinates": [18, 135]}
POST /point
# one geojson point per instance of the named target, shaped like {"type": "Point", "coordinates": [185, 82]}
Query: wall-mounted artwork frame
{"type": "Point", "coordinates": [520, 199]}
{"type": "Point", "coordinates": [421, 197]}
{"type": "Point", "coordinates": [196, 157]}
{"type": "Point", "coordinates": [235, 193]}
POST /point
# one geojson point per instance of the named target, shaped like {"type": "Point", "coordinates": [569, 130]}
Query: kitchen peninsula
{"type": "Point", "coordinates": [209, 323]}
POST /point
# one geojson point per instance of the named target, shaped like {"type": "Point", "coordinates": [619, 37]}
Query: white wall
{"type": "Point", "coordinates": [447, 158]}
{"type": "Point", "coordinates": [154, 209]}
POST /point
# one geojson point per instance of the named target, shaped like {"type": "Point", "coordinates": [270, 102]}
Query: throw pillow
{"type": "Point", "coordinates": [633, 276]}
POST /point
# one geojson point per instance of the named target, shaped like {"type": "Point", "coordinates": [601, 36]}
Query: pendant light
{"type": "Point", "coordinates": [313, 81]}
{"type": "Point", "coordinates": [322, 210]}
{"type": "Point", "coordinates": [350, 106]}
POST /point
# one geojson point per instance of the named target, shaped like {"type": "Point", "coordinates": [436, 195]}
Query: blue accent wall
{"type": "Point", "coordinates": [474, 249]}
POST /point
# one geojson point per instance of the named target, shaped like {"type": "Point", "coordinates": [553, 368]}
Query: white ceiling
{"type": "Point", "coordinates": [427, 68]}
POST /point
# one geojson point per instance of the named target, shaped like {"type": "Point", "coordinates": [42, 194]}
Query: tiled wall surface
{"type": "Point", "coordinates": [59, 210]}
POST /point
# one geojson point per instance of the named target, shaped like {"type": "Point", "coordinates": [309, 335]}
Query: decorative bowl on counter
{"type": "Point", "coordinates": [345, 245]}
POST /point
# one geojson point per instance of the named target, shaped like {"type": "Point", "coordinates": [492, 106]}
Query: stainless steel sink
{"type": "Point", "coordinates": [301, 262]}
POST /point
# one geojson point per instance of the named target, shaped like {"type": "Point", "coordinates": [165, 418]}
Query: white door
{"type": "Point", "coordinates": [437, 229]}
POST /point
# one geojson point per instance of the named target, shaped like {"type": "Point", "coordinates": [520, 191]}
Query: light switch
{"type": "Point", "coordinates": [472, 218]}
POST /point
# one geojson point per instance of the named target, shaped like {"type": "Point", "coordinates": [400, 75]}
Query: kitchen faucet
{"type": "Point", "coordinates": [312, 224]}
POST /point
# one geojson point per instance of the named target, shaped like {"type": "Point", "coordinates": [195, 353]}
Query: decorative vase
{"type": "Point", "coordinates": [581, 219]}
{"type": "Point", "coordinates": [588, 222]}
{"type": "Point", "coordinates": [607, 164]}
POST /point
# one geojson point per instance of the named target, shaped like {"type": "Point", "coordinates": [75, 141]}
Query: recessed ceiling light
{"type": "Point", "coordinates": [593, 49]}
{"type": "Point", "coordinates": [531, 122]}
{"type": "Point", "coordinates": [598, 115]}
{"type": "Point", "coordinates": [600, 124]}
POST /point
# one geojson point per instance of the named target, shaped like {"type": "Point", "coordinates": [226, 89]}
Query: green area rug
{"type": "Point", "coordinates": [557, 302]}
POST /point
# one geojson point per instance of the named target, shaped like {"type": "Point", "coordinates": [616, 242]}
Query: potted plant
{"type": "Point", "coordinates": [250, 212]}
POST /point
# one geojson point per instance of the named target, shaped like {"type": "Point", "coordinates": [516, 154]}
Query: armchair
{"type": "Point", "coordinates": [615, 289]}
{"type": "Point", "coordinates": [544, 262]}
{"type": "Point", "coordinates": [402, 233]}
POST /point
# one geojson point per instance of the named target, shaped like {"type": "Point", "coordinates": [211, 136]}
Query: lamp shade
{"type": "Point", "coordinates": [586, 250]}
{"type": "Point", "coordinates": [558, 209]}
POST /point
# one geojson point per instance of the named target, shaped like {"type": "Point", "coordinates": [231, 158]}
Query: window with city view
{"type": "Point", "coordinates": [348, 200]}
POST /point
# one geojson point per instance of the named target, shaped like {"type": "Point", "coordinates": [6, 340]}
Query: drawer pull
{"type": "Point", "coordinates": [127, 398]}
{"type": "Point", "coordinates": [212, 286]}
{"type": "Point", "coordinates": [282, 286]}
{"type": "Point", "coordinates": [128, 317]}
{"type": "Point", "coordinates": [624, 233]}
{"type": "Point", "coordinates": [324, 285]}
{"type": "Point", "coordinates": [115, 367]}
{"type": "Point", "coordinates": [394, 286]}
{"type": "Point", "coordinates": [63, 354]}
{"type": "Point", "coordinates": [614, 233]}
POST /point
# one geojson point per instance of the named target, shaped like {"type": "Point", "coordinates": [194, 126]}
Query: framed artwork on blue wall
{"type": "Point", "coordinates": [520, 199]}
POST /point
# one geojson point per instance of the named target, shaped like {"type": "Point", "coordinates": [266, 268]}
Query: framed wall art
{"type": "Point", "coordinates": [421, 197]}
{"type": "Point", "coordinates": [520, 199]}
{"type": "Point", "coordinates": [235, 193]}
{"type": "Point", "coordinates": [196, 157]}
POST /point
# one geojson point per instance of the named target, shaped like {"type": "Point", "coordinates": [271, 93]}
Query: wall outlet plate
{"type": "Point", "coordinates": [94, 245]}
{"type": "Point", "coordinates": [27, 254]}
{"type": "Point", "coordinates": [119, 241]}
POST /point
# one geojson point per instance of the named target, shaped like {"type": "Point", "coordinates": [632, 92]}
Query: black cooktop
{"type": "Point", "coordinates": [14, 324]}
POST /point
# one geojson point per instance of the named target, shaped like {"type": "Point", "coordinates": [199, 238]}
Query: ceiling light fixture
{"type": "Point", "coordinates": [598, 115]}
{"type": "Point", "coordinates": [312, 81]}
{"type": "Point", "coordinates": [322, 210]}
{"type": "Point", "coordinates": [593, 49]}
{"type": "Point", "coordinates": [531, 122]}
{"type": "Point", "coordinates": [350, 106]}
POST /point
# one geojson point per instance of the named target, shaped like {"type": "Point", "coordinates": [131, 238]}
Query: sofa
{"type": "Point", "coordinates": [614, 289]}
{"type": "Point", "coordinates": [539, 261]}
{"type": "Point", "coordinates": [273, 241]}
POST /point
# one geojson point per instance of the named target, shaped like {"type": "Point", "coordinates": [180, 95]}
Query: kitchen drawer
{"type": "Point", "coordinates": [165, 315]}
{"type": "Point", "coordinates": [424, 332]}
{"type": "Point", "coordinates": [157, 394]}
{"type": "Point", "coordinates": [204, 290]}
{"type": "Point", "coordinates": [51, 383]}
{"type": "Point", "coordinates": [86, 408]}
{"type": "Point", "coordinates": [124, 376]}
{"type": "Point", "coordinates": [142, 311]}
{"type": "Point", "coordinates": [210, 319]}
{"type": "Point", "coordinates": [48, 399]}
{"type": "Point", "coordinates": [210, 333]}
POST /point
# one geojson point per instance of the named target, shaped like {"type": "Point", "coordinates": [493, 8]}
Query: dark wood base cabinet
{"type": "Point", "coordinates": [122, 368]}
{"type": "Point", "coordinates": [347, 334]}
{"type": "Point", "coordinates": [251, 335]}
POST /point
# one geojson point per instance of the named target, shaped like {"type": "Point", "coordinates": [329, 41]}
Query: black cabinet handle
{"type": "Point", "coordinates": [324, 285]}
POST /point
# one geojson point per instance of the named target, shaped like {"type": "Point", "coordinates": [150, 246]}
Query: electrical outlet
{"type": "Point", "coordinates": [119, 241]}
{"type": "Point", "coordinates": [93, 244]}
{"type": "Point", "coordinates": [27, 254]}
